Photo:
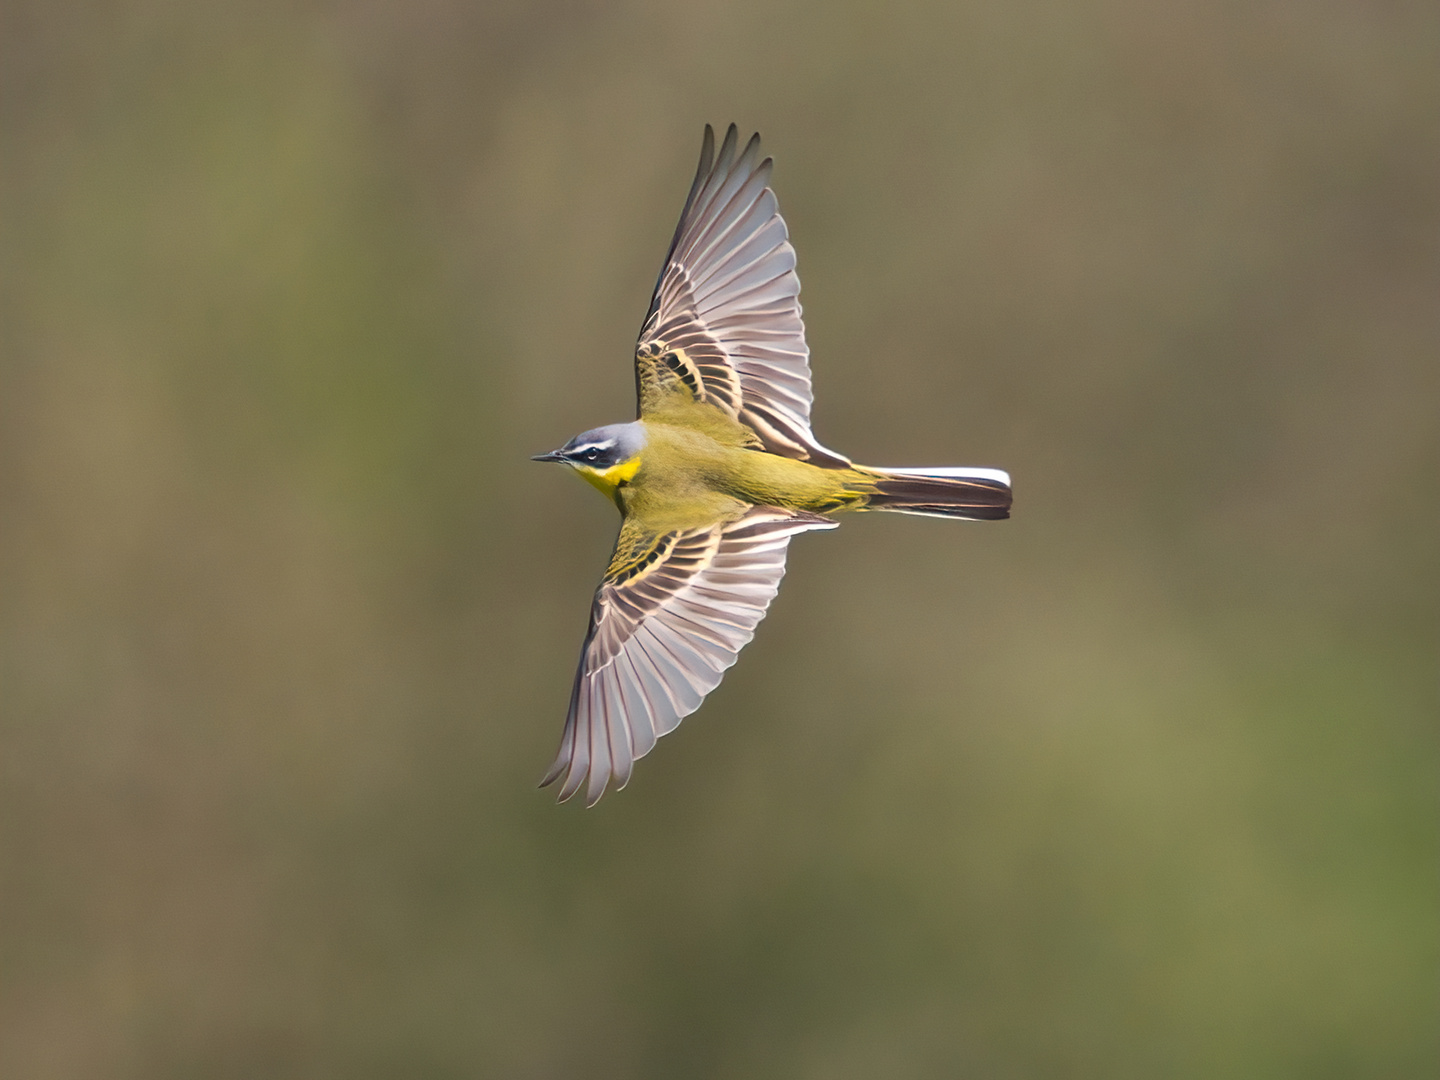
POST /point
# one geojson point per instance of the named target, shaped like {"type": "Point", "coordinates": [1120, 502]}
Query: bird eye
{"type": "Point", "coordinates": [592, 454]}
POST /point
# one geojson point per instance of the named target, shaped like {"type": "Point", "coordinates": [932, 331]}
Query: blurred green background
{"type": "Point", "coordinates": [1141, 783]}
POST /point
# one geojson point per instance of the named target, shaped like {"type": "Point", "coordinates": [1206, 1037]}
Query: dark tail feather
{"type": "Point", "coordinates": [974, 494]}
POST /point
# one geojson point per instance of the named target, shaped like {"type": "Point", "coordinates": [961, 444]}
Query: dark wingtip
{"type": "Point", "coordinates": [727, 148]}
{"type": "Point", "coordinates": [752, 148]}
{"type": "Point", "coordinates": [707, 150]}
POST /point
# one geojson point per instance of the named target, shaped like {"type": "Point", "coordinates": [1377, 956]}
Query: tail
{"type": "Point", "coordinates": [973, 494]}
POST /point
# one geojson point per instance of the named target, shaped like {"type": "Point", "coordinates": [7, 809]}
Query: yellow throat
{"type": "Point", "coordinates": [608, 480]}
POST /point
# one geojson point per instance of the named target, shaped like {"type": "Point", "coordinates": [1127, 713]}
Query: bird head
{"type": "Point", "coordinates": [605, 456]}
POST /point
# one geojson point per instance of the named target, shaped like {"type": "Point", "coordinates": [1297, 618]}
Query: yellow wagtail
{"type": "Point", "coordinates": [716, 475]}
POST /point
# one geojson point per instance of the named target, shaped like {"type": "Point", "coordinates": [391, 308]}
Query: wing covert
{"type": "Point", "coordinates": [724, 322]}
{"type": "Point", "coordinates": [669, 618]}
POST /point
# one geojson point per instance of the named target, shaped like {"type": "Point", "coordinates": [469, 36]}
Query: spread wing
{"type": "Point", "coordinates": [724, 323]}
{"type": "Point", "coordinates": [671, 614]}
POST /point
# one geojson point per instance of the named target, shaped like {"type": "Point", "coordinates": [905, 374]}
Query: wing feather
{"type": "Point", "coordinates": [663, 636]}
{"type": "Point", "coordinates": [632, 693]}
{"type": "Point", "coordinates": [728, 298]}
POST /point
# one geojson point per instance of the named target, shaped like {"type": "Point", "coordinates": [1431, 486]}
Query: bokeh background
{"type": "Point", "coordinates": [1141, 783]}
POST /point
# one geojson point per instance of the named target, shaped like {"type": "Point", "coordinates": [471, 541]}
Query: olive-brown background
{"type": "Point", "coordinates": [1141, 783]}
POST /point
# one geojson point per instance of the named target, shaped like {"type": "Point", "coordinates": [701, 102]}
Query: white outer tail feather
{"type": "Point", "coordinates": [959, 472]}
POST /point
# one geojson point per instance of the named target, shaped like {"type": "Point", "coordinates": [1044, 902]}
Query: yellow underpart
{"type": "Point", "coordinates": [607, 480]}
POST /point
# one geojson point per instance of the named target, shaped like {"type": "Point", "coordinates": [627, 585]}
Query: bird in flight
{"type": "Point", "coordinates": [716, 475]}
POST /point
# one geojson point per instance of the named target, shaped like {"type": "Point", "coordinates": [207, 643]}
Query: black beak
{"type": "Point", "coordinates": [553, 455]}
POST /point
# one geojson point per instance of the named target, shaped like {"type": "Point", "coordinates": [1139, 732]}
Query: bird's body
{"type": "Point", "coordinates": [698, 466]}
{"type": "Point", "coordinates": [716, 475]}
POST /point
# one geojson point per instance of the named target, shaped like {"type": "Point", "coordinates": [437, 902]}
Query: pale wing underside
{"type": "Point", "coordinates": [725, 317]}
{"type": "Point", "coordinates": [663, 631]}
